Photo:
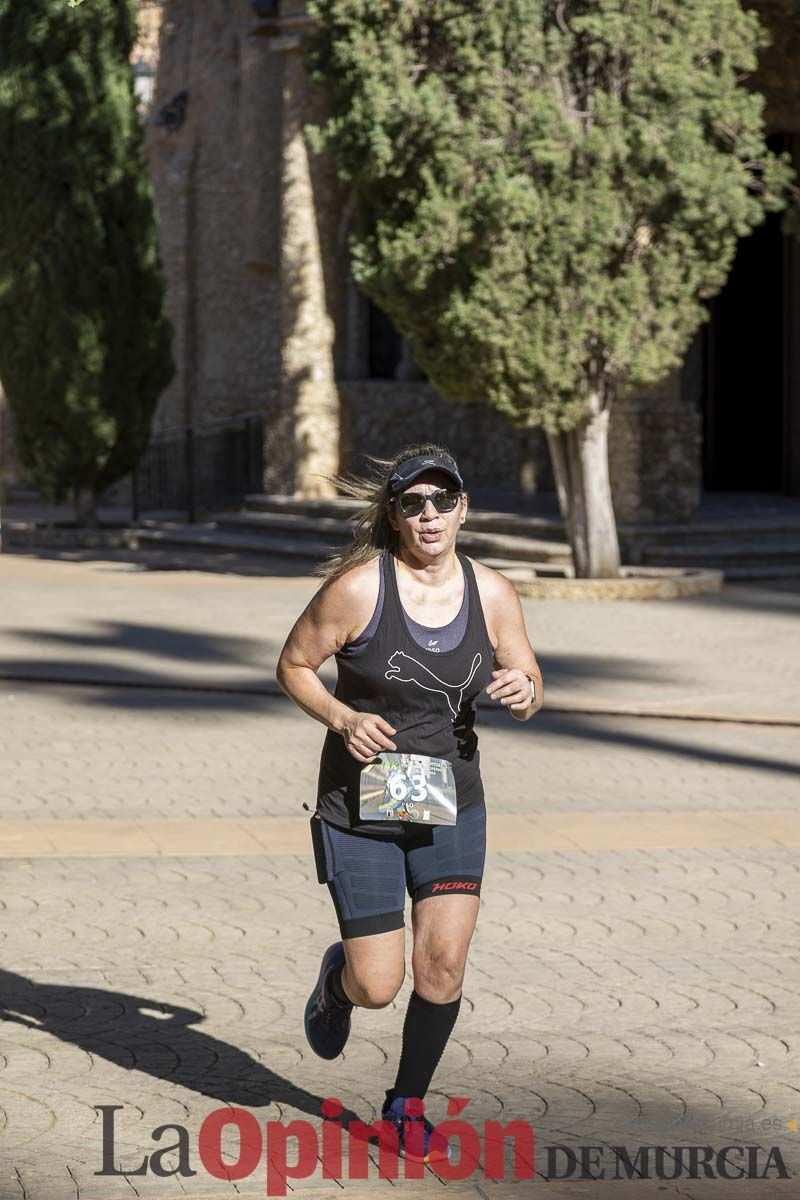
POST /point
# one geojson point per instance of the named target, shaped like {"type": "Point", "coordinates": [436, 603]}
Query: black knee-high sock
{"type": "Point", "coordinates": [425, 1032]}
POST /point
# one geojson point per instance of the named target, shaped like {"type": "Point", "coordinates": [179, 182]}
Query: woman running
{"type": "Point", "coordinates": [418, 631]}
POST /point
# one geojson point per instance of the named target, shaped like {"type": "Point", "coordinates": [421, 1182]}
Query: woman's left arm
{"type": "Point", "coordinates": [514, 659]}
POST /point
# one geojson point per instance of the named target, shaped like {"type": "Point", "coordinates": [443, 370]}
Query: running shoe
{"type": "Point", "coordinates": [433, 1145]}
{"type": "Point", "coordinates": [327, 1022]}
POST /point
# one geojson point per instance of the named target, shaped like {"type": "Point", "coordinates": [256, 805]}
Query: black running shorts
{"type": "Point", "coordinates": [368, 875]}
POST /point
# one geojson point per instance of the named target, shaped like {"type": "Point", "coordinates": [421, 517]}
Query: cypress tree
{"type": "Point", "coordinates": [85, 349]}
{"type": "Point", "coordinates": [545, 194]}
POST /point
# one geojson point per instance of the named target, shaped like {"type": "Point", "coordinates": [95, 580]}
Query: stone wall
{"type": "Point", "coordinates": [779, 64]}
{"type": "Point", "coordinates": [248, 234]}
{"type": "Point", "coordinates": [382, 416]}
{"type": "Point", "coordinates": [654, 443]}
{"type": "Point", "coordinates": [213, 149]}
{"type": "Point", "coordinates": [654, 451]}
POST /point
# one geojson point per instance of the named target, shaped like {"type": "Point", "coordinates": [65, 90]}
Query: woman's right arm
{"type": "Point", "coordinates": [320, 630]}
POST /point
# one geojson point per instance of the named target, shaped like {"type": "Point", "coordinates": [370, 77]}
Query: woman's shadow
{"type": "Point", "coordinates": [146, 1035]}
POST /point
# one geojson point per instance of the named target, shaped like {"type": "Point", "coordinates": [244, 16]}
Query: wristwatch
{"type": "Point", "coordinates": [533, 687]}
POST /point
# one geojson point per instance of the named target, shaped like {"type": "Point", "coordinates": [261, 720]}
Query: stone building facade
{"type": "Point", "coordinates": [254, 245]}
{"type": "Point", "coordinates": [268, 321]}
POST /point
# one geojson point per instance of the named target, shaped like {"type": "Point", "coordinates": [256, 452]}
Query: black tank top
{"type": "Point", "coordinates": [447, 636]}
{"type": "Point", "coordinates": [430, 701]}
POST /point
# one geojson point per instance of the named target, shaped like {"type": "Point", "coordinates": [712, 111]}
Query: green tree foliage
{"type": "Point", "coordinates": [84, 345]}
{"type": "Point", "coordinates": [545, 192]}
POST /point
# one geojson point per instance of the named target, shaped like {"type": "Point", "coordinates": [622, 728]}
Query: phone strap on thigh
{"type": "Point", "coordinates": [324, 870]}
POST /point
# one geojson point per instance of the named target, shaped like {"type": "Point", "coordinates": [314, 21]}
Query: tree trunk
{"type": "Point", "coordinates": [85, 502]}
{"type": "Point", "coordinates": [303, 430]}
{"type": "Point", "coordinates": [527, 481]}
{"type": "Point", "coordinates": [580, 467]}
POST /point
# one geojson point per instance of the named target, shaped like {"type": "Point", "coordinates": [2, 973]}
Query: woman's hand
{"type": "Point", "coordinates": [366, 734]}
{"type": "Point", "coordinates": [511, 687]}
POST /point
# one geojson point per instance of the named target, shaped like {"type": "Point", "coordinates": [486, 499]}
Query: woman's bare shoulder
{"type": "Point", "coordinates": [350, 599]}
{"type": "Point", "coordinates": [492, 585]}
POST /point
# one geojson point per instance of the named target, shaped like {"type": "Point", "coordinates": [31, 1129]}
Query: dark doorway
{"type": "Point", "coordinates": [745, 395]}
{"type": "Point", "coordinates": [385, 344]}
{"type": "Point", "coordinates": [748, 392]}
{"type": "Point", "coordinates": [391, 356]}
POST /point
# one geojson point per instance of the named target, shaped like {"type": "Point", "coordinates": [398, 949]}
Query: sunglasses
{"type": "Point", "coordinates": [411, 504]}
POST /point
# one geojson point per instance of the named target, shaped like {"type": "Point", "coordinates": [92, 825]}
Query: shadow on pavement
{"type": "Point", "coordinates": [776, 597]}
{"type": "Point", "coordinates": [139, 1033]}
{"type": "Point", "coordinates": [96, 684]}
{"type": "Point", "coordinates": [570, 668]}
{"type": "Point", "coordinates": [158, 641]}
{"type": "Point", "coordinates": [129, 687]}
{"type": "Point", "coordinates": [203, 562]}
{"type": "Point", "coordinates": [167, 643]}
{"type": "Point", "coordinates": [591, 728]}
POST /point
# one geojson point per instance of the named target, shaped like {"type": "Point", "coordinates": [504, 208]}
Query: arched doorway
{"type": "Point", "coordinates": [751, 418]}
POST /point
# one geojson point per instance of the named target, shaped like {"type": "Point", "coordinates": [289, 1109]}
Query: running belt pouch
{"type": "Point", "coordinates": [319, 849]}
{"type": "Point", "coordinates": [408, 787]}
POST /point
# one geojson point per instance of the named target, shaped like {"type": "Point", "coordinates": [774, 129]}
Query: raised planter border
{"type": "Point", "coordinates": [633, 583]}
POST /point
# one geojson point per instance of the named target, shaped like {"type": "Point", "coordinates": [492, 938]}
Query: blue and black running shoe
{"type": "Point", "coordinates": [417, 1138]}
{"type": "Point", "coordinates": [327, 1022]}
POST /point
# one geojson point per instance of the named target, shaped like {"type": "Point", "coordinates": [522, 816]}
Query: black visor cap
{"type": "Point", "coordinates": [409, 470]}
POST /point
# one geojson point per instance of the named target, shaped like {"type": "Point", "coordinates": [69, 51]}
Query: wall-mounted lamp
{"type": "Point", "coordinates": [144, 79]}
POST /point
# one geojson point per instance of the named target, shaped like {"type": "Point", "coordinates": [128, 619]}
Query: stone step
{"type": "Point", "coordinates": [763, 571]}
{"type": "Point", "coordinates": [342, 507]}
{"type": "Point", "coordinates": [521, 571]}
{"type": "Point", "coordinates": [718, 528]}
{"type": "Point", "coordinates": [338, 529]}
{"type": "Point", "coordinates": [208, 537]}
{"type": "Point", "coordinates": [631, 533]}
{"type": "Point", "coordinates": [504, 546]}
{"type": "Point", "coordinates": [518, 524]}
{"type": "Point", "coordinates": [728, 552]}
{"type": "Point", "coordinates": [338, 506]}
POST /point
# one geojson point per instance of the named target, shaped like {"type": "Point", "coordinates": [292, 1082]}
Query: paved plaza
{"type": "Point", "coordinates": [634, 975]}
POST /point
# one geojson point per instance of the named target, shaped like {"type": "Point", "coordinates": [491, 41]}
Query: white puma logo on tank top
{"type": "Point", "coordinates": [409, 670]}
